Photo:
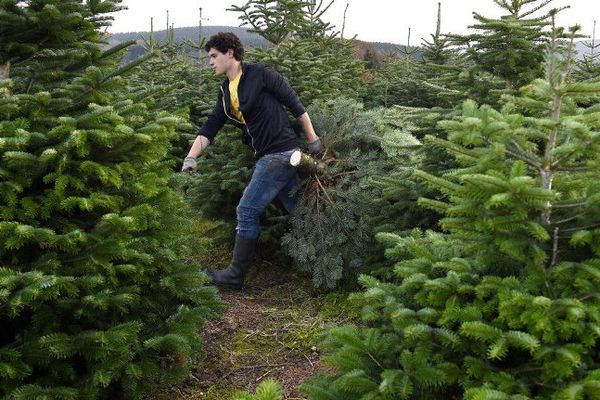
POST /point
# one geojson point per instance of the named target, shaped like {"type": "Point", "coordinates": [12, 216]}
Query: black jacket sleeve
{"type": "Point", "coordinates": [215, 121]}
{"type": "Point", "coordinates": [277, 85]}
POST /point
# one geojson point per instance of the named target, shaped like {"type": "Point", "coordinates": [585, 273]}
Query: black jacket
{"type": "Point", "coordinates": [262, 92]}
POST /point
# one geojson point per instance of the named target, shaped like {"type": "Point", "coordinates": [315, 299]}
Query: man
{"type": "Point", "coordinates": [252, 97]}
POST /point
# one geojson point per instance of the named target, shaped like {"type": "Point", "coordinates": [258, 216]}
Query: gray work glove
{"type": "Point", "coordinates": [315, 147]}
{"type": "Point", "coordinates": [189, 165]}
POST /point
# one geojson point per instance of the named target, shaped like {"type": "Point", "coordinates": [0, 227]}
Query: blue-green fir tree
{"type": "Point", "coordinates": [504, 303]}
{"type": "Point", "coordinates": [331, 236]}
{"type": "Point", "coordinates": [94, 299]}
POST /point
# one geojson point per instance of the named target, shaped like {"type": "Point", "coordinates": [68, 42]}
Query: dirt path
{"type": "Point", "coordinates": [271, 329]}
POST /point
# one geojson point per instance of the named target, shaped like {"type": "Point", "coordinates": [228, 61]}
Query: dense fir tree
{"type": "Point", "coordinates": [508, 48]}
{"type": "Point", "coordinates": [396, 81]}
{"type": "Point", "coordinates": [443, 70]}
{"type": "Point", "coordinates": [430, 92]}
{"type": "Point", "coordinates": [172, 80]}
{"type": "Point", "coordinates": [274, 20]}
{"type": "Point", "coordinates": [588, 68]}
{"type": "Point", "coordinates": [303, 48]}
{"type": "Point", "coordinates": [505, 305]}
{"type": "Point", "coordinates": [400, 190]}
{"type": "Point", "coordinates": [95, 302]}
{"type": "Point", "coordinates": [171, 75]}
{"type": "Point", "coordinates": [443, 79]}
{"type": "Point", "coordinates": [436, 51]}
{"type": "Point", "coordinates": [280, 20]}
{"type": "Point", "coordinates": [425, 81]}
{"type": "Point", "coordinates": [317, 68]}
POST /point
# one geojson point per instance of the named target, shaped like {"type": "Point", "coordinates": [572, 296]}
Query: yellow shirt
{"type": "Point", "coordinates": [235, 100]}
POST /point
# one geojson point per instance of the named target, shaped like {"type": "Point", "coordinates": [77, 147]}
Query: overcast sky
{"type": "Point", "coordinates": [370, 20]}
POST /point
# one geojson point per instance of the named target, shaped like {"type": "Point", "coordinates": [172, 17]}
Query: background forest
{"type": "Point", "coordinates": [459, 205]}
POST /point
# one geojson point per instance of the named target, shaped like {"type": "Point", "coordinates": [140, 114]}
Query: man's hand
{"type": "Point", "coordinates": [315, 147]}
{"type": "Point", "coordinates": [189, 165]}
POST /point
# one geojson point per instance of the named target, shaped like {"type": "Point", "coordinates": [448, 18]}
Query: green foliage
{"type": "Point", "coordinates": [499, 55]}
{"type": "Point", "coordinates": [505, 304]}
{"type": "Point", "coordinates": [432, 89]}
{"type": "Point", "coordinates": [317, 68]}
{"type": "Point", "coordinates": [267, 390]}
{"type": "Point", "coordinates": [397, 355]}
{"type": "Point", "coordinates": [47, 42]}
{"type": "Point", "coordinates": [279, 20]}
{"type": "Point", "coordinates": [423, 92]}
{"type": "Point", "coordinates": [333, 224]}
{"type": "Point", "coordinates": [95, 302]}
{"type": "Point", "coordinates": [399, 212]}
{"type": "Point", "coordinates": [428, 81]}
{"type": "Point", "coordinates": [509, 48]}
{"type": "Point", "coordinates": [395, 81]}
{"type": "Point", "coordinates": [304, 48]}
{"type": "Point", "coordinates": [172, 81]}
{"type": "Point", "coordinates": [169, 77]}
{"type": "Point", "coordinates": [588, 68]}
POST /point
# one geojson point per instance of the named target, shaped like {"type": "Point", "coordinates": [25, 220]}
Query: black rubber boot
{"type": "Point", "coordinates": [233, 276]}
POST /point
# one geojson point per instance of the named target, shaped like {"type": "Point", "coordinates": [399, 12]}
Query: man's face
{"type": "Point", "coordinates": [220, 62]}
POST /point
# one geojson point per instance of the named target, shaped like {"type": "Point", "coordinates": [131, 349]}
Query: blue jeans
{"type": "Point", "coordinates": [273, 176]}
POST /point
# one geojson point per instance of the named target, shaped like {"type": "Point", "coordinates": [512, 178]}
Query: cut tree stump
{"type": "Point", "coordinates": [306, 164]}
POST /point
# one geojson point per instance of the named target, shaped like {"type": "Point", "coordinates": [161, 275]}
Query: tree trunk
{"type": "Point", "coordinates": [306, 164]}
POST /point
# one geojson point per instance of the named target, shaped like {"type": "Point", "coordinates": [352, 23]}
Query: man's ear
{"type": "Point", "coordinates": [230, 52]}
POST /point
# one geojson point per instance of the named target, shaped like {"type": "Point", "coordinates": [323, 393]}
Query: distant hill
{"type": "Point", "coordinates": [250, 39]}
{"type": "Point", "coordinates": [191, 33]}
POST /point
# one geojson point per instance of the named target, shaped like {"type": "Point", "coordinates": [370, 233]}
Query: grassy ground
{"type": "Point", "coordinates": [270, 329]}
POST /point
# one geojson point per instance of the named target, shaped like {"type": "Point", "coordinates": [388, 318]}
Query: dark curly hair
{"type": "Point", "coordinates": [224, 41]}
